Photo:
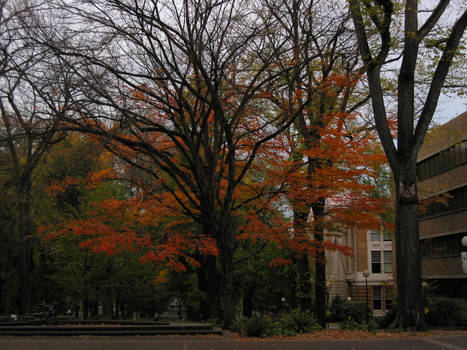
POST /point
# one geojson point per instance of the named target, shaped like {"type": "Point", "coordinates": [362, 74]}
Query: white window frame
{"type": "Point", "coordinates": [386, 261]}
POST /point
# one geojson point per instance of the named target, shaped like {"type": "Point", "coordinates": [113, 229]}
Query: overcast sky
{"type": "Point", "coordinates": [448, 108]}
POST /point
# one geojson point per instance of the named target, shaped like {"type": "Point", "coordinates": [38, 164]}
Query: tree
{"type": "Point", "coordinates": [378, 17]}
{"type": "Point", "coordinates": [81, 205]}
{"type": "Point", "coordinates": [165, 85]}
{"type": "Point", "coordinates": [28, 103]}
{"type": "Point", "coordinates": [322, 65]}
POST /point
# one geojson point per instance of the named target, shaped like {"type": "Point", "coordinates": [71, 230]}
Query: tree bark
{"type": "Point", "coordinates": [209, 286]}
{"type": "Point", "coordinates": [320, 264]}
{"type": "Point", "coordinates": [304, 290]}
{"type": "Point", "coordinates": [248, 301]}
{"type": "Point", "coordinates": [408, 263]}
{"type": "Point", "coordinates": [225, 245]}
{"type": "Point", "coordinates": [25, 256]}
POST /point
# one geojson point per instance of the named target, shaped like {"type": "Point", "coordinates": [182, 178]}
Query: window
{"type": "Point", "coordinates": [376, 298]}
{"type": "Point", "coordinates": [376, 261]}
{"type": "Point", "coordinates": [457, 200]}
{"type": "Point", "coordinates": [375, 236]}
{"type": "Point", "coordinates": [449, 245]}
{"type": "Point", "coordinates": [442, 161]}
{"type": "Point", "coordinates": [387, 255]}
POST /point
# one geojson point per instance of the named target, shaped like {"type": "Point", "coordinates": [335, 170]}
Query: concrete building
{"type": "Point", "coordinates": [442, 181]}
{"type": "Point", "coordinates": [373, 252]}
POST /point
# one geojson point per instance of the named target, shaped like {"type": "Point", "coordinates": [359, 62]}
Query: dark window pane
{"type": "Point", "coordinates": [376, 298]}
{"type": "Point", "coordinates": [376, 261]}
{"type": "Point", "coordinates": [457, 200]}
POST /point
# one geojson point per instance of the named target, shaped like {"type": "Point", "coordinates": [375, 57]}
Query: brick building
{"type": "Point", "coordinates": [373, 252]}
{"type": "Point", "coordinates": [442, 176]}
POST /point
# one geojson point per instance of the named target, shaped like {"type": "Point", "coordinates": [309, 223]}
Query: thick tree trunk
{"type": "Point", "coordinates": [409, 282]}
{"type": "Point", "coordinates": [320, 264]}
{"type": "Point", "coordinates": [25, 255]}
{"type": "Point", "coordinates": [225, 245]}
{"type": "Point", "coordinates": [304, 285]}
{"type": "Point", "coordinates": [320, 283]}
{"type": "Point", "coordinates": [248, 302]}
{"type": "Point", "coordinates": [303, 293]}
{"type": "Point", "coordinates": [85, 308]}
{"type": "Point", "coordinates": [208, 284]}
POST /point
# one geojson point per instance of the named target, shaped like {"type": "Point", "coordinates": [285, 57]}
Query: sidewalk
{"type": "Point", "coordinates": [225, 343]}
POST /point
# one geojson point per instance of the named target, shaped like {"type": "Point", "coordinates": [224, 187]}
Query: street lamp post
{"type": "Point", "coordinates": [366, 273]}
{"type": "Point", "coordinates": [464, 254]}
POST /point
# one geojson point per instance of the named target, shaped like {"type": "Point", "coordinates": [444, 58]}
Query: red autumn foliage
{"type": "Point", "coordinates": [158, 219]}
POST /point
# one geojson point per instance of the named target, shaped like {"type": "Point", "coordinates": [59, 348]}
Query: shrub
{"type": "Point", "coordinates": [446, 312]}
{"type": "Point", "coordinates": [335, 309]}
{"type": "Point", "coordinates": [255, 326]}
{"type": "Point", "coordinates": [351, 324]}
{"type": "Point", "coordinates": [294, 322]}
{"type": "Point", "coordinates": [297, 321]}
{"type": "Point", "coordinates": [344, 311]}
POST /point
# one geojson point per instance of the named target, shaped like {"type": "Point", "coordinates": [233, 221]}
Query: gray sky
{"type": "Point", "coordinates": [449, 107]}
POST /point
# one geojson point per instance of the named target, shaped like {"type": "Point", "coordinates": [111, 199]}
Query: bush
{"type": "Point", "coordinates": [255, 326]}
{"type": "Point", "coordinates": [351, 325]}
{"type": "Point", "coordinates": [297, 322]}
{"type": "Point", "coordinates": [446, 312]}
{"type": "Point", "coordinates": [345, 311]}
{"type": "Point", "coordinates": [335, 309]}
{"type": "Point", "coordinates": [354, 310]}
{"type": "Point", "coordinates": [294, 322]}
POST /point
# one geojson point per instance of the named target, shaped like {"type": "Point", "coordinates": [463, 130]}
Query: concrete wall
{"type": "Point", "coordinates": [444, 225]}
{"type": "Point", "coordinates": [443, 267]}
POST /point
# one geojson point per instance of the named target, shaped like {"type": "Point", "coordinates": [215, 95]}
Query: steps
{"type": "Point", "coordinates": [106, 328]}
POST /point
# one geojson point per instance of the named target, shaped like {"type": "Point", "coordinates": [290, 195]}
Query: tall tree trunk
{"type": "Point", "coordinates": [304, 290]}
{"type": "Point", "coordinates": [320, 263]}
{"type": "Point", "coordinates": [2, 298]}
{"type": "Point", "coordinates": [208, 284]}
{"type": "Point", "coordinates": [85, 308]}
{"type": "Point", "coordinates": [248, 301]}
{"type": "Point", "coordinates": [225, 245]}
{"type": "Point", "coordinates": [25, 255]}
{"type": "Point", "coordinates": [409, 281]}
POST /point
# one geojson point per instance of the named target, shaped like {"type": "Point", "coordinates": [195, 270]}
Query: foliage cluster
{"type": "Point", "coordinates": [446, 312]}
{"type": "Point", "coordinates": [289, 323]}
{"type": "Point", "coordinates": [350, 314]}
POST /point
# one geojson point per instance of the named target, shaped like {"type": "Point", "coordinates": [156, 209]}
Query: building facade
{"type": "Point", "coordinates": [442, 184]}
{"type": "Point", "coordinates": [345, 276]}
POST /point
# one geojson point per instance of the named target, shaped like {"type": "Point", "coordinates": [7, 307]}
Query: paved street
{"type": "Point", "coordinates": [224, 343]}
